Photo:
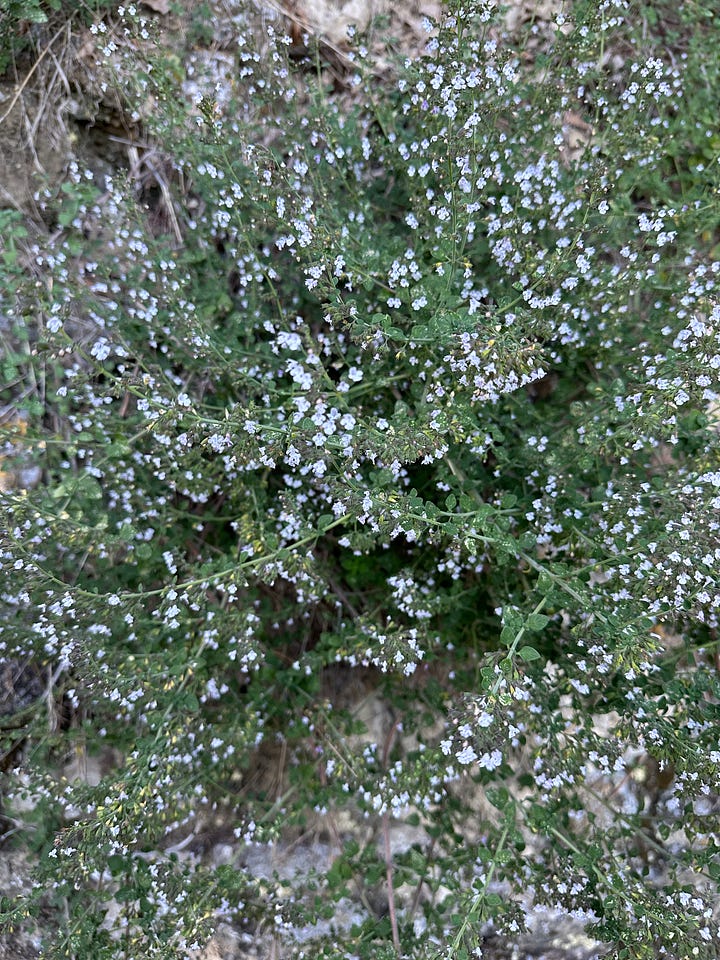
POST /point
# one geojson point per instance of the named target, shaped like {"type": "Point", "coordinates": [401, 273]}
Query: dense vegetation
{"type": "Point", "coordinates": [403, 383]}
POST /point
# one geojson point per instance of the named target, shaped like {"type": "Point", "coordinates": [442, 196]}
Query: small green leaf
{"type": "Point", "coordinates": [529, 653]}
{"type": "Point", "coordinates": [339, 871]}
{"type": "Point", "coordinates": [498, 797]}
{"type": "Point", "coordinates": [66, 217]}
{"type": "Point", "coordinates": [537, 621]}
{"type": "Point", "coordinates": [189, 702]}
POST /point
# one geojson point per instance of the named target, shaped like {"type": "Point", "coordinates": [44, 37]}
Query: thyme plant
{"type": "Point", "coordinates": [412, 388]}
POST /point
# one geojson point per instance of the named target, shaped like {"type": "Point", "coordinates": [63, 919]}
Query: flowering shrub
{"type": "Point", "coordinates": [414, 387]}
{"type": "Point", "coordinates": [29, 24]}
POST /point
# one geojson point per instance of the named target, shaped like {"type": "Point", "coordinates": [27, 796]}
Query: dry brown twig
{"type": "Point", "coordinates": [137, 162]}
{"type": "Point", "coordinates": [31, 71]}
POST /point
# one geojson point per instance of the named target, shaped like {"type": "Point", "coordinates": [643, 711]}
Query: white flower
{"type": "Point", "coordinates": [491, 761]}
{"type": "Point", "coordinates": [467, 755]}
{"type": "Point", "coordinates": [100, 349]}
